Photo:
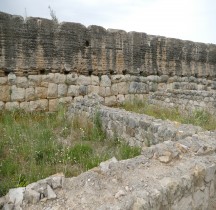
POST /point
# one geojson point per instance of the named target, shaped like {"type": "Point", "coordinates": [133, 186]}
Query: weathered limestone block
{"type": "Point", "coordinates": [93, 89]}
{"type": "Point", "coordinates": [39, 105]}
{"type": "Point", "coordinates": [137, 87]}
{"type": "Point", "coordinates": [55, 181]}
{"type": "Point", "coordinates": [59, 78]}
{"type": "Point", "coordinates": [153, 78]}
{"type": "Point", "coordinates": [22, 82]}
{"type": "Point", "coordinates": [25, 106]}
{"type": "Point", "coordinates": [2, 105]}
{"type": "Point", "coordinates": [95, 80]}
{"type": "Point", "coordinates": [104, 91]}
{"type": "Point", "coordinates": [30, 94]}
{"type": "Point", "coordinates": [16, 195]}
{"type": "Point", "coordinates": [73, 90]}
{"type": "Point", "coordinates": [31, 196]}
{"type": "Point", "coordinates": [114, 89]}
{"type": "Point", "coordinates": [34, 80]}
{"type": "Point", "coordinates": [11, 79]}
{"type": "Point", "coordinates": [41, 92]}
{"type": "Point", "coordinates": [12, 106]}
{"type": "Point", "coordinates": [78, 98]}
{"type": "Point", "coordinates": [5, 93]}
{"type": "Point", "coordinates": [83, 90]}
{"type": "Point", "coordinates": [71, 79]}
{"type": "Point", "coordinates": [53, 105]}
{"type": "Point", "coordinates": [110, 101]}
{"type": "Point", "coordinates": [50, 193]}
{"type": "Point", "coordinates": [62, 90]}
{"type": "Point", "coordinates": [123, 88]}
{"type": "Point", "coordinates": [84, 80]}
{"type": "Point", "coordinates": [105, 81]}
{"type": "Point", "coordinates": [52, 90]}
{"type": "Point", "coordinates": [120, 99]}
{"type": "Point", "coordinates": [17, 94]}
{"type": "Point", "coordinates": [117, 78]}
{"type": "Point", "coordinates": [65, 100]}
{"type": "Point", "coordinates": [49, 78]}
{"type": "Point", "coordinates": [3, 80]}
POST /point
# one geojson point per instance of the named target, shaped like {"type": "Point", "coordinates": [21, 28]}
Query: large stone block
{"type": "Point", "coordinates": [105, 81]}
{"type": "Point", "coordinates": [17, 94]}
{"type": "Point", "coordinates": [65, 101]}
{"type": "Point", "coordinates": [114, 89]}
{"type": "Point", "coordinates": [2, 105]}
{"type": "Point", "coordinates": [52, 90]}
{"type": "Point", "coordinates": [120, 98]}
{"type": "Point", "coordinates": [117, 78]}
{"type": "Point", "coordinates": [83, 90]}
{"type": "Point", "coordinates": [5, 93]}
{"type": "Point", "coordinates": [110, 101]}
{"type": "Point", "coordinates": [84, 80]}
{"type": "Point", "coordinates": [123, 88]}
{"type": "Point", "coordinates": [41, 92]}
{"type": "Point", "coordinates": [138, 87]}
{"type": "Point", "coordinates": [11, 79]}
{"type": "Point", "coordinates": [53, 105]}
{"type": "Point", "coordinates": [3, 80]}
{"type": "Point", "coordinates": [34, 80]}
{"type": "Point", "coordinates": [71, 79]}
{"type": "Point", "coordinates": [59, 78]}
{"type": "Point", "coordinates": [73, 90]}
{"type": "Point", "coordinates": [62, 90]}
{"type": "Point", "coordinates": [30, 94]}
{"type": "Point", "coordinates": [104, 91]}
{"type": "Point", "coordinates": [12, 106]}
{"type": "Point", "coordinates": [39, 105]}
{"type": "Point", "coordinates": [22, 82]}
{"type": "Point", "coordinates": [49, 78]}
{"type": "Point", "coordinates": [95, 80]}
{"type": "Point", "coordinates": [93, 89]}
{"type": "Point", "coordinates": [25, 106]}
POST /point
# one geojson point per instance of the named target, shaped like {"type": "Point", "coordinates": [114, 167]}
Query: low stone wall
{"type": "Point", "coordinates": [171, 175]}
{"type": "Point", "coordinates": [136, 129]}
{"type": "Point", "coordinates": [46, 92]}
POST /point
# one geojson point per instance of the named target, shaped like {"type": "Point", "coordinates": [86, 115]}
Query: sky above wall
{"type": "Point", "coordinates": [185, 19]}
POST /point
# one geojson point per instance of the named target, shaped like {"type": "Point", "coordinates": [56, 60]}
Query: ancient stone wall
{"type": "Point", "coordinates": [43, 64]}
{"type": "Point", "coordinates": [39, 46]}
{"type": "Point", "coordinates": [135, 129]}
{"type": "Point", "coordinates": [47, 92]}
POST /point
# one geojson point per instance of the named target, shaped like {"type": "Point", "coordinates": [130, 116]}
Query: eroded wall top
{"type": "Point", "coordinates": [39, 46]}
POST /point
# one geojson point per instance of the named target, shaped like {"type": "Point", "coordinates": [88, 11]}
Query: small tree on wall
{"type": "Point", "coordinates": [53, 15]}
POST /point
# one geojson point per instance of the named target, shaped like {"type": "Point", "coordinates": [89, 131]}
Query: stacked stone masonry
{"type": "Point", "coordinates": [38, 46]}
{"type": "Point", "coordinates": [43, 64]}
{"type": "Point", "coordinates": [135, 129]}
{"type": "Point", "coordinates": [47, 92]}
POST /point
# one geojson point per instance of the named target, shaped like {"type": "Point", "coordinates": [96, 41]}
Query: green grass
{"type": "Point", "coordinates": [36, 145]}
{"type": "Point", "coordinates": [197, 117]}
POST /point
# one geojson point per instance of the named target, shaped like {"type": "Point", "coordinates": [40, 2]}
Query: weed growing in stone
{"type": "Point", "coordinates": [36, 145]}
{"type": "Point", "coordinates": [198, 117]}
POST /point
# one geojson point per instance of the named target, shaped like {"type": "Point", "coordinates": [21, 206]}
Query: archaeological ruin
{"type": "Point", "coordinates": [91, 69]}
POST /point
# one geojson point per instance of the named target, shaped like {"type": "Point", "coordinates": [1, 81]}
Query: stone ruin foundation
{"type": "Point", "coordinates": [44, 65]}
